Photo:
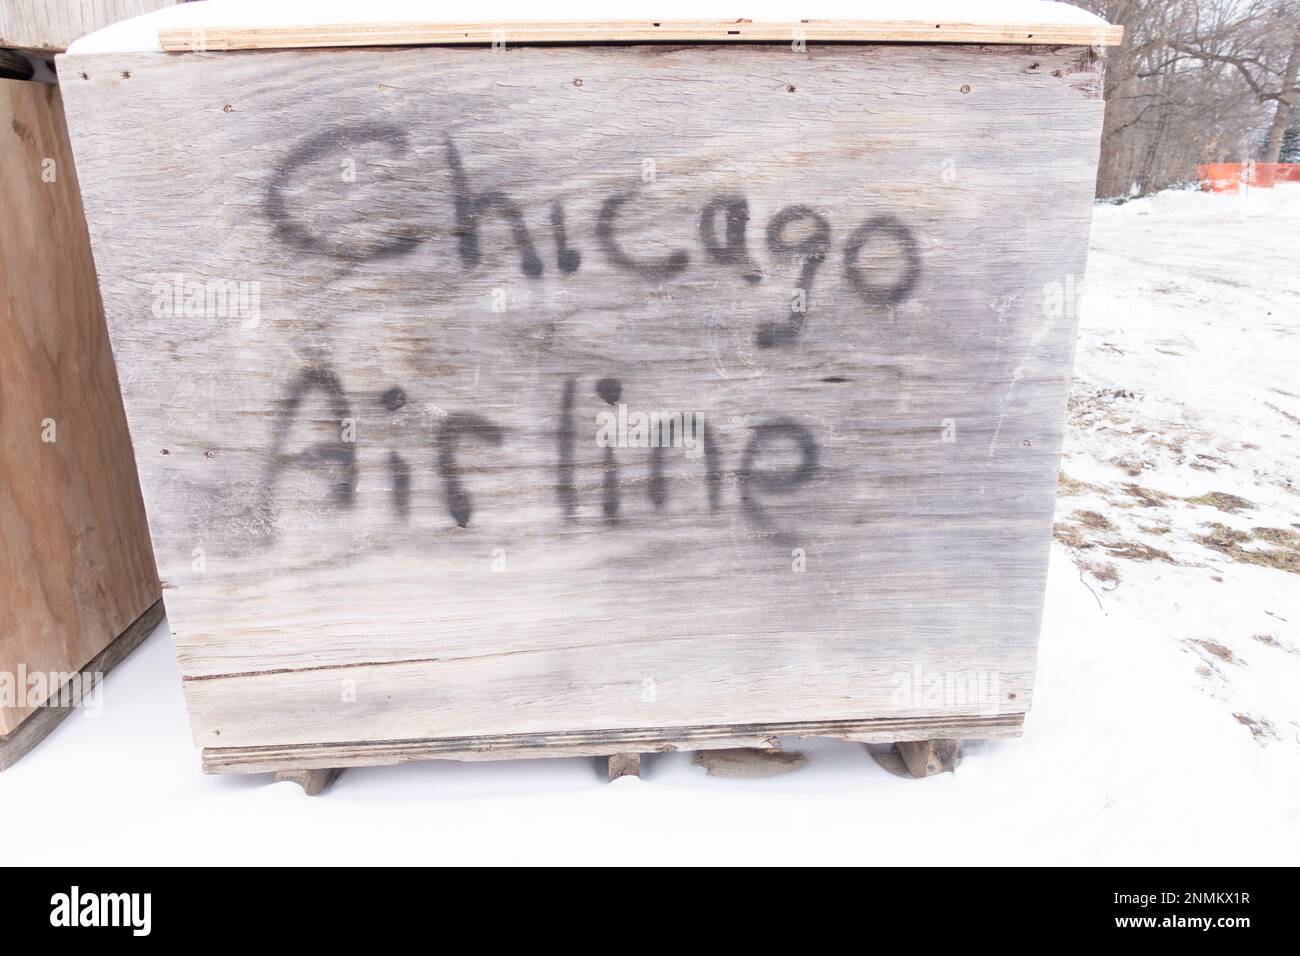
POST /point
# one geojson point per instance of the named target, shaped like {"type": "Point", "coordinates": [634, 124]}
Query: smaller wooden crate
{"type": "Point", "coordinates": [78, 586]}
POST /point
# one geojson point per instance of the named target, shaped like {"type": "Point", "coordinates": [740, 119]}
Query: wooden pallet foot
{"type": "Point", "coordinates": [313, 782]}
{"type": "Point", "coordinates": [624, 765]}
{"type": "Point", "coordinates": [749, 763]}
{"type": "Point", "coordinates": [926, 757]}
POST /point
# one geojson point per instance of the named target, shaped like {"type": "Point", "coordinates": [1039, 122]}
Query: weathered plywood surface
{"type": "Point", "coordinates": [463, 256]}
{"type": "Point", "coordinates": [75, 563]}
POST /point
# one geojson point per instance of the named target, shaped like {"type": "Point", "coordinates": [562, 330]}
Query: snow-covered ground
{"type": "Point", "coordinates": [1166, 723]}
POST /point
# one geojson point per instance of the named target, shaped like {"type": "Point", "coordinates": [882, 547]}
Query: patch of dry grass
{"type": "Point", "coordinates": [1283, 537]}
{"type": "Point", "coordinates": [1067, 486]}
{"type": "Point", "coordinates": [1135, 551]}
{"type": "Point", "coordinates": [1147, 497]}
{"type": "Point", "coordinates": [1069, 536]}
{"type": "Point", "coordinates": [1231, 542]}
{"type": "Point", "coordinates": [1230, 504]}
{"type": "Point", "coordinates": [1091, 519]}
{"type": "Point", "coordinates": [1103, 571]}
{"type": "Point", "coordinates": [1215, 649]}
{"type": "Point", "coordinates": [1260, 728]}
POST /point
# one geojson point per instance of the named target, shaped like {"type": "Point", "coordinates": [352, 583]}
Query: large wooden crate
{"type": "Point", "coordinates": [78, 586]}
{"type": "Point", "coordinates": [382, 313]}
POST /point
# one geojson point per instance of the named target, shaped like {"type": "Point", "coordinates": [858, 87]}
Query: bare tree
{"type": "Point", "coordinates": [1263, 47]}
{"type": "Point", "coordinates": [1286, 101]}
{"type": "Point", "coordinates": [1195, 81]}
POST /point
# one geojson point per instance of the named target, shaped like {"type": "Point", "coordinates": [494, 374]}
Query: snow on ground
{"type": "Point", "coordinates": [1166, 721]}
{"type": "Point", "coordinates": [1180, 494]}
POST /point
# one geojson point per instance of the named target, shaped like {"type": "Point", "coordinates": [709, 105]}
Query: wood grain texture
{"type": "Point", "coordinates": [76, 567]}
{"type": "Point", "coordinates": [42, 721]}
{"type": "Point", "coordinates": [212, 38]}
{"type": "Point", "coordinates": [50, 26]}
{"type": "Point", "coordinates": [466, 256]}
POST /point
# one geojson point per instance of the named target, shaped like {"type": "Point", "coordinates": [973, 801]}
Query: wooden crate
{"type": "Point", "coordinates": [382, 315]}
{"type": "Point", "coordinates": [77, 579]}
{"type": "Point", "coordinates": [50, 26]}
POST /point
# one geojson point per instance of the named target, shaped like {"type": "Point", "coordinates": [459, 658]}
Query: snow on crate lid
{"type": "Point", "coordinates": [272, 24]}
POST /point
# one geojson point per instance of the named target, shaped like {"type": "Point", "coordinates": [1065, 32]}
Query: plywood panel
{"type": "Point", "coordinates": [370, 306]}
{"type": "Point", "coordinates": [75, 562]}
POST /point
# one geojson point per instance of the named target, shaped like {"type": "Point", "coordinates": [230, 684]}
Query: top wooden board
{"type": "Point", "coordinates": [232, 37]}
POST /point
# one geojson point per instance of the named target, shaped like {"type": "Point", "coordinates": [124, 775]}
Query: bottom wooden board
{"type": "Point", "coordinates": [600, 743]}
{"type": "Point", "coordinates": [42, 721]}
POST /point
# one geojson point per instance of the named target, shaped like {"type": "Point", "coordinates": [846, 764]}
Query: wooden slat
{"type": "Point", "coordinates": [631, 31]}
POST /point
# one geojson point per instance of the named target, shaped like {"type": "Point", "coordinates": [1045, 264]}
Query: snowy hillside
{"type": "Point", "coordinates": [1179, 514]}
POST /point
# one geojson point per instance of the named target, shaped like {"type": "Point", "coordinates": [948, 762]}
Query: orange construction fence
{"type": "Point", "coordinates": [1228, 177]}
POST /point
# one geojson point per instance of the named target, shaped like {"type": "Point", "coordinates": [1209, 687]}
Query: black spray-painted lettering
{"type": "Point", "coordinates": [610, 390]}
{"type": "Point", "coordinates": [399, 471]}
{"type": "Point", "coordinates": [664, 439]}
{"type": "Point", "coordinates": [567, 259]}
{"type": "Point", "coordinates": [606, 223]}
{"type": "Point", "coordinates": [471, 207]}
{"type": "Point", "coordinates": [335, 460]}
{"type": "Point", "coordinates": [723, 227]}
{"type": "Point", "coordinates": [322, 146]}
{"type": "Point", "coordinates": [756, 482]}
{"type": "Point", "coordinates": [885, 227]}
{"type": "Point", "coordinates": [658, 485]}
{"type": "Point", "coordinates": [454, 428]}
{"type": "Point", "coordinates": [566, 434]}
{"type": "Point", "coordinates": [733, 251]}
{"type": "Point", "coordinates": [811, 251]}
